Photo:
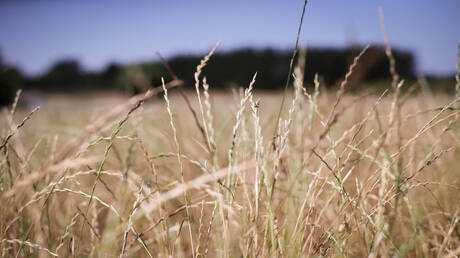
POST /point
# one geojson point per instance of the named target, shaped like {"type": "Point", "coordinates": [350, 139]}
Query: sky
{"type": "Point", "coordinates": [34, 34]}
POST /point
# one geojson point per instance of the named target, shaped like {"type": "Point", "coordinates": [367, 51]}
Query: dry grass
{"type": "Point", "coordinates": [343, 175]}
{"type": "Point", "coordinates": [341, 184]}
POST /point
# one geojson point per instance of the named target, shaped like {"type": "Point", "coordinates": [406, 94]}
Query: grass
{"type": "Point", "coordinates": [345, 175]}
{"type": "Point", "coordinates": [331, 187]}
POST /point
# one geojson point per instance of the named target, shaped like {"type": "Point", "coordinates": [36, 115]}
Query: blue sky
{"type": "Point", "coordinates": [36, 33]}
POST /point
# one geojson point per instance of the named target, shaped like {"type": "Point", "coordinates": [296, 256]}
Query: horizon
{"type": "Point", "coordinates": [97, 34]}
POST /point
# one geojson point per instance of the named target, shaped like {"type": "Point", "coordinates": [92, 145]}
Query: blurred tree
{"type": "Point", "coordinates": [237, 67]}
{"type": "Point", "coordinates": [226, 69]}
{"type": "Point", "coordinates": [109, 75]}
{"type": "Point", "coordinates": [64, 75]}
{"type": "Point", "coordinates": [11, 80]}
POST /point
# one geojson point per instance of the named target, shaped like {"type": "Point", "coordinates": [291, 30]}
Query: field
{"type": "Point", "coordinates": [354, 170]}
{"type": "Point", "coordinates": [304, 172]}
{"type": "Point", "coordinates": [222, 176]}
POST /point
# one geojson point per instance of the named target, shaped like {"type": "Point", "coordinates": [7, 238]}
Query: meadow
{"type": "Point", "coordinates": [304, 172]}
{"type": "Point", "coordinates": [219, 174]}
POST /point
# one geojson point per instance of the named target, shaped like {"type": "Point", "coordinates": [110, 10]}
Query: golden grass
{"type": "Point", "coordinates": [342, 175]}
{"type": "Point", "coordinates": [330, 186]}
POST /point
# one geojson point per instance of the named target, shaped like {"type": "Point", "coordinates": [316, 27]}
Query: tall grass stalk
{"type": "Point", "coordinates": [181, 166]}
{"type": "Point", "coordinates": [101, 165]}
{"type": "Point", "coordinates": [291, 65]}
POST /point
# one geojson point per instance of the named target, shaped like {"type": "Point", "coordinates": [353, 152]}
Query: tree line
{"type": "Point", "coordinates": [224, 70]}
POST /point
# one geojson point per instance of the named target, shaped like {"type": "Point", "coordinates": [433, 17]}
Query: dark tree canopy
{"type": "Point", "coordinates": [272, 66]}
{"type": "Point", "coordinates": [64, 75]}
{"type": "Point", "coordinates": [10, 81]}
{"type": "Point", "coordinates": [223, 70]}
